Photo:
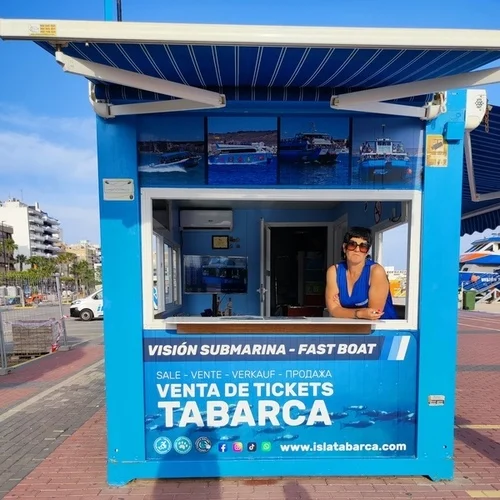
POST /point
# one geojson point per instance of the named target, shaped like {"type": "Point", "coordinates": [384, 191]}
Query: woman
{"type": "Point", "coordinates": [358, 287]}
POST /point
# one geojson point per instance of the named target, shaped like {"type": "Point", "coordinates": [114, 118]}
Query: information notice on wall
{"type": "Point", "coordinates": [286, 397]}
{"type": "Point", "coordinates": [436, 151]}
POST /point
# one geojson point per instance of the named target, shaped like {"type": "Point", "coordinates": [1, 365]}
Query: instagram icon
{"type": "Point", "coordinates": [238, 447]}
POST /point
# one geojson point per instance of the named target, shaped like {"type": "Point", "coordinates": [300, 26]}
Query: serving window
{"type": "Point", "coordinates": [286, 244]}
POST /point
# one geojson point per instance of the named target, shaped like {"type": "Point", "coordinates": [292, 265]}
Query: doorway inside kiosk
{"type": "Point", "coordinates": [263, 258]}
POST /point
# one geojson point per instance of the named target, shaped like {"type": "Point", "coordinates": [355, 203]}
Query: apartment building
{"type": "Point", "coordinates": [35, 232]}
{"type": "Point", "coordinates": [84, 250]}
{"type": "Point", "coordinates": [6, 259]}
{"type": "Point", "coordinates": [88, 252]}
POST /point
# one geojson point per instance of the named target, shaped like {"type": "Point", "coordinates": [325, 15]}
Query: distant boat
{"type": "Point", "coordinates": [479, 269]}
{"type": "Point", "coordinates": [481, 260]}
{"type": "Point", "coordinates": [384, 158]}
{"type": "Point", "coordinates": [176, 159]}
{"type": "Point", "coordinates": [310, 147]}
{"type": "Point", "coordinates": [241, 154]}
{"type": "Point", "coordinates": [299, 149]}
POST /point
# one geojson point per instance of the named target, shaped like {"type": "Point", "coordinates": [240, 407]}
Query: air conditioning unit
{"type": "Point", "coordinates": [221, 220]}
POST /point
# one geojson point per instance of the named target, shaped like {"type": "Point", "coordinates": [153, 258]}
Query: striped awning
{"type": "Point", "coordinates": [271, 73]}
{"type": "Point", "coordinates": [246, 73]}
{"type": "Point", "coordinates": [486, 160]}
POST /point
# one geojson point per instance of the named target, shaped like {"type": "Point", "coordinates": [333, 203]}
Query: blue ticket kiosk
{"type": "Point", "coordinates": [231, 162]}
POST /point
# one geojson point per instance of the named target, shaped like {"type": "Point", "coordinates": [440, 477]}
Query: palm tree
{"type": "Point", "coordinates": [44, 266]}
{"type": "Point", "coordinates": [21, 260]}
{"type": "Point", "coordinates": [65, 260]}
{"type": "Point", "coordinates": [9, 247]}
{"type": "Point", "coordinates": [83, 274]}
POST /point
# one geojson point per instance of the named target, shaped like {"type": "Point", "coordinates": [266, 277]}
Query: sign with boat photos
{"type": "Point", "coordinates": [290, 151]}
{"type": "Point", "coordinates": [217, 398]}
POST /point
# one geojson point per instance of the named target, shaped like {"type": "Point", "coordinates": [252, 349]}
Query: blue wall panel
{"type": "Point", "coordinates": [438, 294]}
{"type": "Point", "coordinates": [122, 286]}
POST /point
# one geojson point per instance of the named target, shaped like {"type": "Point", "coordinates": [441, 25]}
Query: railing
{"type": "Point", "coordinates": [32, 321]}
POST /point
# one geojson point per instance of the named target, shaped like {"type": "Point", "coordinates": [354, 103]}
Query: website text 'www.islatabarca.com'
{"type": "Point", "coordinates": [342, 447]}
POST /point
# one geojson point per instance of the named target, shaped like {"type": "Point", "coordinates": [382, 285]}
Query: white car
{"type": "Point", "coordinates": [88, 308]}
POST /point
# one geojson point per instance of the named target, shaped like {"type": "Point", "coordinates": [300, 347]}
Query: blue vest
{"type": "Point", "coordinates": [359, 296]}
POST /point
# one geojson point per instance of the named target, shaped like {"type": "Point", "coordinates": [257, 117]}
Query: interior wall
{"type": "Point", "coordinates": [363, 213]}
{"type": "Point", "coordinates": [246, 227]}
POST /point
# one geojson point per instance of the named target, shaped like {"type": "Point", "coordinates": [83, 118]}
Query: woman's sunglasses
{"type": "Point", "coordinates": [352, 245]}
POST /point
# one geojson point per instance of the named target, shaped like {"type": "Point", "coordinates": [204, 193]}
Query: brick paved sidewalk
{"type": "Point", "coordinates": [37, 375]}
{"type": "Point", "coordinates": [76, 469]}
{"type": "Point", "coordinates": [42, 403]}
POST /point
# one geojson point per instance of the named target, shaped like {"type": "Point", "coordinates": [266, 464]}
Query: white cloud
{"type": "Point", "coordinates": [80, 129]}
{"type": "Point", "coordinates": [51, 160]}
{"type": "Point", "coordinates": [29, 153]}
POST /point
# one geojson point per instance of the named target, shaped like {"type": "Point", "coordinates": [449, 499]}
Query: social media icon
{"type": "Point", "coordinates": [222, 447]}
{"type": "Point", "coordinates": [252, 446]}
{"type": "Point", "coordinates": [238, 447]}
{"type": "Point", "coordinates": [266, 446]}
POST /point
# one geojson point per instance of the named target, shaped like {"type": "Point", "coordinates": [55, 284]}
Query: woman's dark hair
{"type": "Point", "coordinates": [357, 232]}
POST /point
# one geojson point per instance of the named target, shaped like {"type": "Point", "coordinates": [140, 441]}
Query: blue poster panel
{"type": "Point", "coordinates": [242, 151]}
{"type": "Point", "coordinates": [314, 151]}
{"type": "Point", "coordinates": [171, 152]}
{"type": "Point", "coordinates": [279, 397]}
{"type": "Point", "coordinates": [388, 152]}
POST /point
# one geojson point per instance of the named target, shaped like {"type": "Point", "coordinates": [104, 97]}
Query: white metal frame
{"type": "Point", "coordinates": [387, 224]}
{"type": "Point", "coordinates": [292, 195]}
{"type": "Point", "coordinates": [265, 250]}
{"type": "Point", "coordinates": [475, 196]}
{"type": "Point", "coordinates": [337, 237]}
{"type": "Point", "coordinates": [147, 265]}
{"type": "Point", "coordinates": [227, 34]}
{"type": "Point", "coordinates": [188, 98]}
{"type": "Point", "coordinates": [370, 101]}
{"type": "Point", "coordinates": [481, 211]}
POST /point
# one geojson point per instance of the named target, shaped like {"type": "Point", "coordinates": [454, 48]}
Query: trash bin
{"type": "Point", "coordinates": [469, 300]}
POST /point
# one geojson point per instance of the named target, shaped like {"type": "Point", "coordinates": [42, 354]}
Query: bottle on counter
{"type": "Point", "coordinates": [229, 308]}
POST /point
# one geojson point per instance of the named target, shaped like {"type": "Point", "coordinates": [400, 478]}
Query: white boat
{"type": "Point", "coordinates": [480, 265]}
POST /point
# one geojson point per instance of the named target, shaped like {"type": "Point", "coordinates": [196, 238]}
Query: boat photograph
{"type": "Point", "coordinates": [242, 150]}
{"type": "Point", "coordinates": [380, 158]}
{"type": "Point", "coordinates": [172, 154]}
{"type": "Point", "coordinates": [240, 154]}
{"type": "Point", "coordinates": [314, 152]}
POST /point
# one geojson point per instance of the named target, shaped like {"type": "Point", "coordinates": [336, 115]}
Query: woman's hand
{"type": "Point", "coordinates": [369, 313]}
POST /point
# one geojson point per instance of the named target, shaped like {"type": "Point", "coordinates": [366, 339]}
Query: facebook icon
{"type": "Point", "coordinates": [222, 447]}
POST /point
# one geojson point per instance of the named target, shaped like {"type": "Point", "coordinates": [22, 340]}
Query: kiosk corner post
{"type": "Point", "coordinates": [438, 309]}
{"type": "Point", "coordinates": [120, 224]}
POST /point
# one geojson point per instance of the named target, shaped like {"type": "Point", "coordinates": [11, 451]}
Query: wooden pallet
{"type": "Point", "coordinates": [30, 338]}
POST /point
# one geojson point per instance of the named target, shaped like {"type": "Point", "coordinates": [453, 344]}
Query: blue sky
{"type": "Point", "coordinates": [47, 130]}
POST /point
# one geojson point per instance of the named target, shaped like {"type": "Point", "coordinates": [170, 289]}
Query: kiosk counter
{"type": "Point", "coordinates": [232, 160]}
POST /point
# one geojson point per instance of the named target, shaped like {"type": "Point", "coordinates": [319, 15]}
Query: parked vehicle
{"type": "Point", "coordinates": [88, 308]}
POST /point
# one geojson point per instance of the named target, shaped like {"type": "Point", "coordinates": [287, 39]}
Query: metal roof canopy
{"type": "Point", "coordinates": [160, 67]}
